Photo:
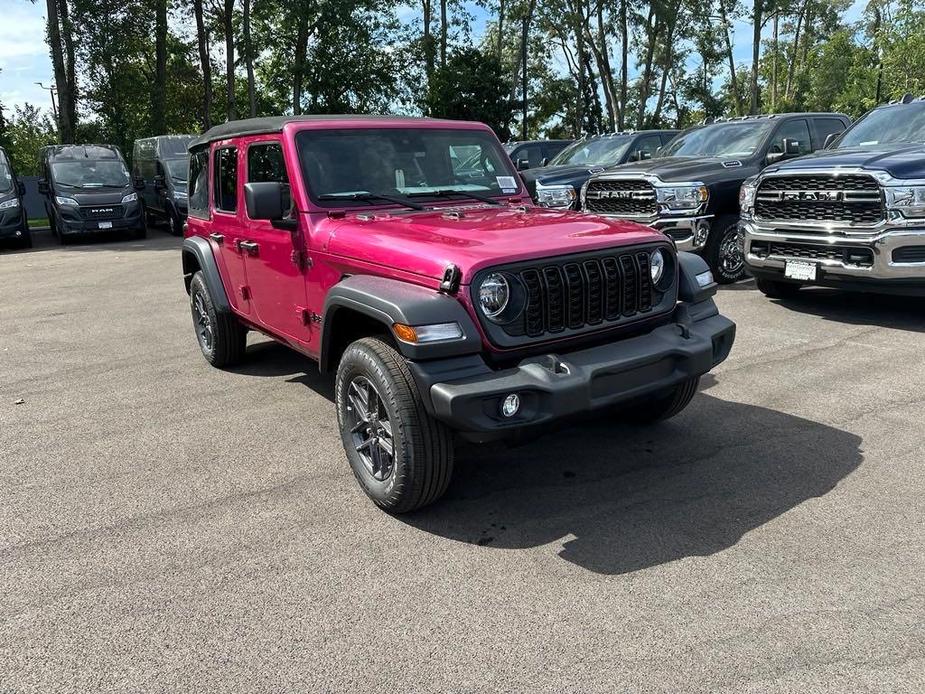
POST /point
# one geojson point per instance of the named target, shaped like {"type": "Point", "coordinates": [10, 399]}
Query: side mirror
{"type": "Point", "coordinates": [829, 139]}
{"type": "Point", "coordinates": [44, 188]}
{"type": "Point", "coordinates": [138, 183]}
{"type": "Point", "coordinates": [523, 164]}
{"type": "Point", "coordinates": [544, 161]}
{"type": "Point", "coordinates": [160, 182]}
{"type": "Point", "coordinates": [269, 200]}
{"type": "Point", "coordinates": [791, 147]}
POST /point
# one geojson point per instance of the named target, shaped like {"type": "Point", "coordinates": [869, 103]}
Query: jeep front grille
{"type": "Point", "coordinates": [101, 212]}
{"type": "Point", "coordinates": [575, 295]}
{"type": "Point", "coordinates": [852, 199]}
{"type": "Point", "coordinates": [622, 198]}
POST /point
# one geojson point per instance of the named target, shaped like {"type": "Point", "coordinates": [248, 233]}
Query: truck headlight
{"type": "Point", "coordinates": [131, 197]}
{"type": "Point", "coordinates": [9, 204]}
{"type": "Point", "coordinates": [909, 200]}
{"type": "Point", "coordinates": [66, 202]}
{"type": "Point", "coordinates": [494, 295]}
{"type": "Point", "coordinates": [687, 197]}
{"type": "Point", "coordinates": [559, 197]}
{"type": "Point", "coordinates": [747, 194]}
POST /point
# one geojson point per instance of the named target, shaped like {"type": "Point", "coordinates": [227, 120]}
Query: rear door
{"type": "Point", "coordinates": [275, 268]}
{"type": "Point", "coordinates": [226, 232]}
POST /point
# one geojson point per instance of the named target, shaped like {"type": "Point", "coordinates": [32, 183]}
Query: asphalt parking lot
{"type": "Point", "coordinates": [168, 527]}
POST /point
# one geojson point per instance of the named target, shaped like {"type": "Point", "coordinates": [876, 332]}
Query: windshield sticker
{"type": "Point", "coordinates": [507, 184]}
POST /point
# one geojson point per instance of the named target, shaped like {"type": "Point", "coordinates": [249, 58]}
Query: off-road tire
{"type": "Point", "coordinates": [228, 337]}
{"type": "Point", "coordinates": [777, 290]}
{"type": "Point", "coordinates": [717, 248]}
{"type": "Point", "coordinates": [665, 406]}
{"type": "Point", "coordinates": [422, 460]}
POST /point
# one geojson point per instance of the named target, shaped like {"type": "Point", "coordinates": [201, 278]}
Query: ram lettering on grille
{"type": "Point", "coordinates": [847, 199]}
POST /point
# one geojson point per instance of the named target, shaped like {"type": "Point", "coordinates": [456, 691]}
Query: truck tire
{"type": "Point", "coordinates": [723, 252]}
{"type": "Point", "coordinates": [401, 456]}
{"type": "Point", "coordinates": [777, 290]}
{"type": "Point", "coordinates": [174, 224]}
{"type": "Point", "coordinates": [665, 406]}
{"type": "Point", "coordinates": [221, 336]}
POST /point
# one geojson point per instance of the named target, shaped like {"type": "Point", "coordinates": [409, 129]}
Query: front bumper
{"type": "Point", "coordinates": [842, 257]}
{"type": "Point", "coordinates": [466, 394]}
{"type": "Point", "coordinates": [132, 220]}
{"type": "Point", "coordinates": [688, 233]}
{"type": "Point", "coordinates": [12, 223]}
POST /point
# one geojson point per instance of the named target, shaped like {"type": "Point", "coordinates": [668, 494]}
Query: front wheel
{"type": "Point", "coordinates": [665, 406]}
{"type": "Point", "coordinates": [724, 251]}
{"type": "Point", "coordinates": [174, 225]}
{"type": "Point", "coordinates": [401, 456]}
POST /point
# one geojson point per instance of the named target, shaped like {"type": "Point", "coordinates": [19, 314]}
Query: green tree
{"type": "Point", "coordinates": [27, 130]}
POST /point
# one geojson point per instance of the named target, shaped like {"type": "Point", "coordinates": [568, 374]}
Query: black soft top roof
{"type": "Point", "coordinates": [275, 124]}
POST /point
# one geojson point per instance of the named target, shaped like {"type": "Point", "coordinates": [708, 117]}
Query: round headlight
{"type": "Point", "coordinates": [494, 293]}
{"type": "Point", "coordinates": [656, 265]}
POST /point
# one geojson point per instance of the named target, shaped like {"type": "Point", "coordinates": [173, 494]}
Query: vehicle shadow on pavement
{"type": "Point", "coordinates": [157, 240]}
{"type": "Point", "coordinates": [881, 310]}
{"type": "Point", "coordinates": [621, 498]}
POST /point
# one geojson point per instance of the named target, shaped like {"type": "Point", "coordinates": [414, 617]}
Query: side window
{"type": "Point", "coordinates": [825, 127]}
{"type": "Point", "coordinates": [199, 184]}
{"type": "Point", "coordinates": [793, 130]}
{"type": "Point", "coordinates": [648, 144]}
{"type": "Point", "coordinates": [265, 164]}
{"type": "Point", "coordinates": [532, 153]}
{"type": "Point", "coordinates": [225, 187]}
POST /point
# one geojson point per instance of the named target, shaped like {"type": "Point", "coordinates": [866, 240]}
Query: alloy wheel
{"type": "Point", "coordinates": [731, 256]}
{"type": "Point", "coordinates": [204, 330]}
{"type": "Point", "coordinates": [370, 428]}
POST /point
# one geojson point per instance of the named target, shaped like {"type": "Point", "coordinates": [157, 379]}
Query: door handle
{"type": "Point", "coordinates": [248, 246]}
{"type": "Point", "coordinates": [218, 238]}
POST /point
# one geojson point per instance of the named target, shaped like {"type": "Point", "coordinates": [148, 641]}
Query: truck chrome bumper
{"type": "Point", "coordinates": [688, 233]}
{"type": "Point", "coordinates": [854, 256]}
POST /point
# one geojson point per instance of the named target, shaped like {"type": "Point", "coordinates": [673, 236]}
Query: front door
{"type": "Point", "coordinates": [275, 271]}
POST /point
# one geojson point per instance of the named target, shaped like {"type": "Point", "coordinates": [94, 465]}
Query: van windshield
{"type": "Point", "coordinates": [736, 139]}
{"type": "Point", "coordinates": [417, 162]}
{"type": "Point", "coordinates": [178, 169]}
{"type": "Point", "coordinates": [6, 175]}
{"type": "Point", "coordinates": [90, 173]}
{"type": "Point", "coordinates": [602, 151]}
{"type": "Point", "coordinates": [899, 124]}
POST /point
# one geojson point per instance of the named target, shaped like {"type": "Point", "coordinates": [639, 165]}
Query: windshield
{"type": "Point", "coordinates": [402, 162]}
{"type": "Point", "coordinates": [90, 173]}
{"type": "Point", "coordinates": [6, 175]}
{"type": "Point", "coordinates": [178, 169]}
{"type": "Point", "coordinates": [738, 139]}
{"type": "Point", "coordinates": [891, 125]}
{"type": "Point", "coordinates": [600, 151]}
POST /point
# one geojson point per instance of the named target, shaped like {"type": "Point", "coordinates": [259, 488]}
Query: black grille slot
{"type": "Point", "coordinates": [632, 198]}
{"type": "Point", "coordinates": [849, 199]}
{"type": "Point", "coordinates": [585, 292]}
{"type": "Point", "coordinates": [102, 212]}
{"type": "Point", "coordinates": [849, 255]}
{"type": "Point", "coordinates": [909, 254]}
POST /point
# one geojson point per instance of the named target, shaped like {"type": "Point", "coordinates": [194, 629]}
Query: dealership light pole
{"type": "Point", "coordinates": [51, 90]}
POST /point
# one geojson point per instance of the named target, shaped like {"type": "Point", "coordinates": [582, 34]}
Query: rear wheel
{"type": "Point", "coordinates": [401, 456]}
{"type": "Point", "coordinates": [723, 251]}
{"type": "Point", "coordinates": [221, 336]}
{"type": "Point", "coordinates": [665, 406]}
{"type": "Point", "coordinates": [777, 290]}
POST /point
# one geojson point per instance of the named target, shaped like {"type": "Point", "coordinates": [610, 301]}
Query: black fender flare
{"type": "Point", "coordinates": [198, 255]}
{"type": "Point", "coordinates": [390, 301]}
{"type": "Point", "coordinates": [689, 289]}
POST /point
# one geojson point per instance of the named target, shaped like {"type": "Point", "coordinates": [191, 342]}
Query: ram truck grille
{"type": "Point", "coordinates": [575, 295]}
{"type": "Point", "coordinates": [852, 199]}
{"type": "Point", "coordinates": [101, 212]}
{"type": "Point", "coordinates": [622, 198]}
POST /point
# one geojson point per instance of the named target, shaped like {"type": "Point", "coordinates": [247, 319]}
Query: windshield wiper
{"type": "Point", "coordinates": [446, 192]}
{"type": "Point", "coordinates": [371, 197]}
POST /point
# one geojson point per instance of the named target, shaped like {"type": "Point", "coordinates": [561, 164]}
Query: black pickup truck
{"type": "Point", "coordinates": [690, 189]}
{"type": "Point", "coordinates": [851, 216]}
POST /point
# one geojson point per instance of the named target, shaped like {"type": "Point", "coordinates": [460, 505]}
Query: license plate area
{"type": "Point", "coordinates": [105, 225]}
{"type": "Point", "coordinates": [800, 270]}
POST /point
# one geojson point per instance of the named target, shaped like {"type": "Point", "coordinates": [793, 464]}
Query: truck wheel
{"type": "Point", "coordinates": [665, 406]}
{"type": "Point", "coordinates": [25, 241]}
{"type": "Point", "coordinates": [221, 336]}
{"type": "Point", "coordinates": [401, 456]}
{"type": "Point", "coordinates": [723, 252]}
{"type": "Point", "coordinates": [174, 225]}
{"type": "Point", "coordinates": [777, 290]}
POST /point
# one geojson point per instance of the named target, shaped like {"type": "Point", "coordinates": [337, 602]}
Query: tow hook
{"type": "Point", "coordinates": [684, 322]}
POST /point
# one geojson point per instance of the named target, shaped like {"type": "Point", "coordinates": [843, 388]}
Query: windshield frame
{"type": "Point", "coordinates": [768, 124]}
{"type": "Point", "coordinates": [578, 144]}
{"type": "Point", "coordinates": [83, 162]}
{"type": "Point", "coordinates": [488, 137]}
{"type": "Point", "coordinates": [837, 144]}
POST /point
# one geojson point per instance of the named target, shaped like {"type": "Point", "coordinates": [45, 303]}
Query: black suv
{"type": "Point", "coordinates": [13, 223]}
{"type": "Point", "coordinates": [163, 164]}
{"type": "Point", "coordinates": [851, 216]}
{"type": "Point", "coordinates": [529, 154]}
{"type": "Point", "coordinates": [690, 190]}
{"type": "Point", "coordinates": [88, 189]}
{"type": "Point", "coordinates": [557, 184]}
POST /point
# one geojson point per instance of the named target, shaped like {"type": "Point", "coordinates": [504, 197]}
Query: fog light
{"type": "Point", "coordinates": [511, 405]}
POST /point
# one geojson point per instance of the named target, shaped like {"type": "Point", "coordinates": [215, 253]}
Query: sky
{"type": "Point", "coordinates": [24, 56]}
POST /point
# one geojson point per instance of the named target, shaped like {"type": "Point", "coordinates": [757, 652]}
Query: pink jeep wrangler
{"type": "Point", "coordinates": [405, 255]}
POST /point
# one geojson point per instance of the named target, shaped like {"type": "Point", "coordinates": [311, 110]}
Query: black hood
{"type": "Point", "coordinates": [899, 160]}
{"type": "Point", "coordinates": [563, 174]}
{"type": "Point", "coordinates": [97, 196]}
{"type": "Point", "coordinates": [683, 169]}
